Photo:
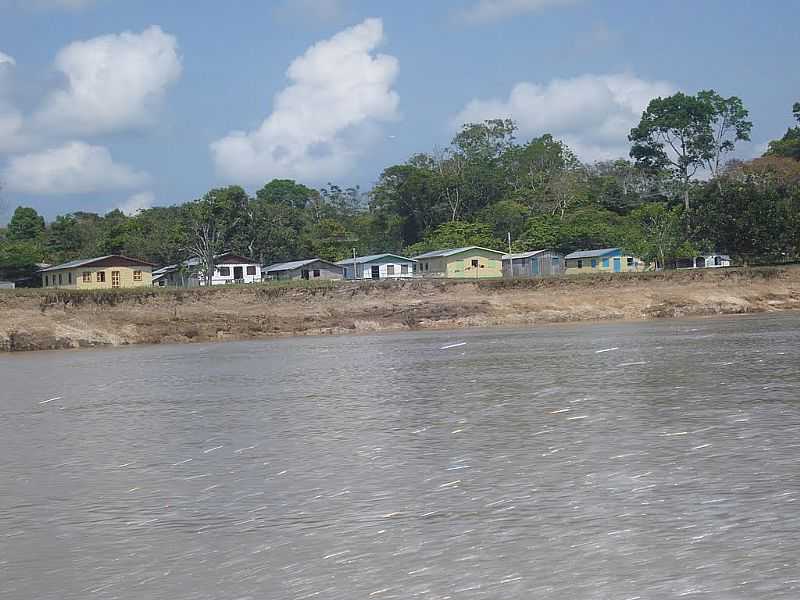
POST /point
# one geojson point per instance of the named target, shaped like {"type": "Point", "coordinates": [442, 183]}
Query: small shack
{"type": "Point", "coordinates": [605, 260]}
{"type": "Point", "coordinates": [470, 262]}
{"type": "Point", "coordinates": [536, 263]}
{"type": "Point", "coordinates": [309, 269]}
{"type": "Point", "coordinates": [378, 266]}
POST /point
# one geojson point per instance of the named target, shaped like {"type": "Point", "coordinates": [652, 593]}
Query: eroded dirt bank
{"type": "Point", "coordinates": [55, 319]}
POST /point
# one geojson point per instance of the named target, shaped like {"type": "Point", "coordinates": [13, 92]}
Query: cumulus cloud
{"type": "Point", "coordinates": [113, 82]}
{"type": "Point", "coordinates": [339, 89]}
{"type": "Point", "coordinates": [74, 168]}
{"type": "Point", "coordinates": [6, 60]}
{"type": "Point", "coordinates": [591, 113]}
{"type": "Point", "coordinates": [484, 11]}
{"type": "Point", "coordinates": [137, 202]}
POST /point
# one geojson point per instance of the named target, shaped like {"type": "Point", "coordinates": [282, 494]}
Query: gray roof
{"type": "Point", "coordinates": [591, 253]}
{"type": "Point", "coordinates": [295, 264]}
{"type": "Point", "coordinates": [453, 251]}
{"type": "Point", "coordinates": [74, 264]}
{"type": "Point", "coordinates": [371, 258]}
{"type": "Point", "coordinates": [523, 254]}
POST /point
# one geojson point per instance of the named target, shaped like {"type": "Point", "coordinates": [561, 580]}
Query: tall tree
{"type": "Point", "coordinates": [789, 145]}
{"type": "Point", "coordinates": [683, 134]}
{"type": "Point", "coordinates": [25, 224]}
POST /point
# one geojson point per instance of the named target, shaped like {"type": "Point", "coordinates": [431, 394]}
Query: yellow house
{"type": "Point", "coordinates": [471, 262]}
{"type": "Point", "coordinates": [606, 260]}
{"type": "Point", "coordinates": [103, 272]}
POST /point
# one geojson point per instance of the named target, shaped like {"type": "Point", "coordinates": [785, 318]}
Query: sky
{"type": "Point", "coordinates": [128, 104]}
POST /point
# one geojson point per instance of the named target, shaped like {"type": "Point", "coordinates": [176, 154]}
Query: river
{"type": "Point", "coordinates": [613, 461]}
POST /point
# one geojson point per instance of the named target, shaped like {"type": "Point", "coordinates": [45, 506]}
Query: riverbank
{"type": "Point", "coordinates": [59, 319]}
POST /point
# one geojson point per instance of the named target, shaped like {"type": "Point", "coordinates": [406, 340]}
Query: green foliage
{"type": "Point", "coordinates": [789, 145]}
{"type": "Point", "coordinates": [18, 258]}
{"type": "Point", "coordinates": [456, 234]}
{"type": "Point", "coordinates": [25, 224]}
{"type": "Point", "coordinates": [657, 233]}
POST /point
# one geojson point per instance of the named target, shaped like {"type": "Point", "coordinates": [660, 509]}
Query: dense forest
{"type": "Point", "coordinates": [679, 194]}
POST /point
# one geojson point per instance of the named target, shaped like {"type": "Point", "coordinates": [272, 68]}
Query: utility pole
{"type": "Point", "coordinates": [355, 266]}
{"type": "Point", "coordinates": [510, 259]}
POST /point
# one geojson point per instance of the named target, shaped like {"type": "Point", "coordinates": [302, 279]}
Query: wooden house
{"type": "Point", "coordinates": [606, 260]}
{"type": "Point", "coordinates": [471, 262]}
{"type": "Point", "coordinates": [310, 269]}
{"type": "Point", "coordinates": [378, 266]}
{"type": "Point", "coordinates": [537, 263]}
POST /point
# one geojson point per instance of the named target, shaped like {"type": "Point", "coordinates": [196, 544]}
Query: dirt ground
{"type": "Point", "coordinates": [56, 319]}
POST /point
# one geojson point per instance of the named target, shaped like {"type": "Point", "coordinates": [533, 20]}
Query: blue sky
{"type": "Point", "coordinates": [128, 103]}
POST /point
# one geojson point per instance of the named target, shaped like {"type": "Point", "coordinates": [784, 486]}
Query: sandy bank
{"type": "Point", "coordinates": [54, 319]}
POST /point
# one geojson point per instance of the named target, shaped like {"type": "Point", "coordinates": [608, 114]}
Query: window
{"type": "Point", "coordinates": [594, 263]}
{"type": "Point", "coordinates": [101, 277]}
{"type": "Point", "coordinates": [69, 278]}
{"type": "Point", "coordinates": [47, 280]}
{"type": "Point", "coordinates": [251, 270]}
{"type": "Point", "coordinates": [137, 275]}
{"type": "Point", "coordinates": [404, 269]}
{"type": "Point", "coordinates": [60, 278]}
{"type": "Point", "coordinates": [630, 261]}
{"type": "Point", "coordinates": [475, 263]}
{"type": "Point", "coordinates": [390, 269]}
{"type": "Point", "coordinates": [580, 264]}
{"type": "Point", "coordinates": [224, 271]}
{"type": "Point", "coordinates": [114, 279]}
{"type": "Point", "coordinates": [605, 263]}
{"type": "Point", "coordinates": [87, 277]}
{"type": "Point", "coordinates": [426, 266]}
{"type": "Point", "coordinates": [316, 273]}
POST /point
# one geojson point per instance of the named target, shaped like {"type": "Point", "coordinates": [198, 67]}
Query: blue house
{"type": "Point", "coordinates": [605, 260]}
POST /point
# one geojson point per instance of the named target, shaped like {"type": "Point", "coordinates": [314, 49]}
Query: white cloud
{"type": "Point", "coordinates": [484, 11]}
{"type": "Point", "coordinates": [339, 90]}
{"type": "Point", "coordinates": [74, 168]}
{"type": "Point", "coordinates": [5, 59]}
{"type": "Point", "coordinates": [137, 203]}
{"type": "Point", "coordinates": [593, 114]}
{"type": "Point", "coordinates": [114, 82]}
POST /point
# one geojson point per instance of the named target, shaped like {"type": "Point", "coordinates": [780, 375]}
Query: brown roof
{"type": "Point", "coordinates": [112, 260]}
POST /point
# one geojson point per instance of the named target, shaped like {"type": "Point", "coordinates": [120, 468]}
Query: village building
{"type": "Point", "coordinates": [709, 261]}
{"type": "Point", "coordinates": [378, 266]}
{"type": "Point", "coordinates": [470, 262]}
{"type": "Point", "coordinates": [606, 260]}
{"type": "Point", "coordinates": [537, 263]}
{"type": "Point", "coordinates": [229, 268]}
{"type": "Point", "coordinates": [113, 271]}
{"type": "Point", "coordinates": [310, 269]}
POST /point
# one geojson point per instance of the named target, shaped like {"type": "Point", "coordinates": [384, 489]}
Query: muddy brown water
{"type": "Point", "coordinates": [639, 460]}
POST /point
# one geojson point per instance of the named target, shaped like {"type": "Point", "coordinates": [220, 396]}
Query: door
{"type": "Point", "coordinates": [238, 273]}
{"type": "Point", "coordinates": [304, 274]}
{"type": "Point", "coordinates": [376, 272]}
{"type": "Point", "coordinates": [534, 266]}
{"type": "Point", "coordinates": [617, 265]}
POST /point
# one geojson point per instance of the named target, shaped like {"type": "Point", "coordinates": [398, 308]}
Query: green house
{"type": "Point", "coordinates": [470, 262]}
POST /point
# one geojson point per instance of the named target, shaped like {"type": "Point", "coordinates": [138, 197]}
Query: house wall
{"type": "Point", "coordinates": [604, 264]}
{"type": "Point", "coordinates": [326, 271]}
{"type": "Point", "coordinates": [432, 267]}
{"type": "Point", "coordinates": [461, 266]}
{"type": "Point", "coordinates": [74, 278]}
{"type": "Point", "coordinates": [364, 270]}
{"type": "Point", "coordinates": [541, 265]}
{"type": "Point", "coordinates": [220, 279]}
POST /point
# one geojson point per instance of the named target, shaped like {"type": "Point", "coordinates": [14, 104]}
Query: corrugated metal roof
{"type": "Point", "coordinates": [530, 254]}
{"type": "Point", "coordinates": [452, 251]}
{"type": "Point", "coordinates": [290, 266]}
{"type": "Point", "coordinates": [591, 253]}
{"type": "Point", "coordinates": [370, 258]}
{"type": "Point", "coordinates": [74, 264]}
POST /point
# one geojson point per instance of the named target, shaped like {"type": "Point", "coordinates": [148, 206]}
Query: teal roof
{"type": "Point", "coordinates": [372, 258]}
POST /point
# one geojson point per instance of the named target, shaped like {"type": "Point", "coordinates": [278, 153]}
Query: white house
{"type": "Point", "coordinates": [709, 261]}
{"type": "Point", "coordinates": [378, 266]}
{"type": "Point", "coordinates": [229, 268]}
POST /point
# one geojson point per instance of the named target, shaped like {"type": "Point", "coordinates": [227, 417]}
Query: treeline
{"type": "Point", "coordinates": [678, 196]}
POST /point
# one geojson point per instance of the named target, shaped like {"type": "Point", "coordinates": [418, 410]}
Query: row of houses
{"type": "Point", "coordinates": [470, 262]}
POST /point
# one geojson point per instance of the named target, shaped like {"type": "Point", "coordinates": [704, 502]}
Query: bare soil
{"type": "Point", "coordinates": [56, 319]}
